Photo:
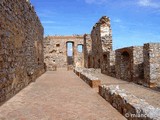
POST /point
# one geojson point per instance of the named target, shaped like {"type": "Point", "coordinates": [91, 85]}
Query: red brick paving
{"type": "Point", "coordinates": [59, 95]}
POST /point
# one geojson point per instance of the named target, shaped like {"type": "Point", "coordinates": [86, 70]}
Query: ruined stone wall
{"type": "Point", "coordinates": [138, 68]}
{"type": "Point", "coordinates": [129, 64]}
{"type": "Point", "coordinates": [101, 36]}
{"type": "Point", "coordinates": [87, 51]}
{"type": "Point", "coordinates": [123, 63]}
{"type": "Point", "coordinates": [21, 47]}
{"type": "Point", "coordinates": [108, 64]}
{"type": "Point", "coordinates": [137, 64]}
{"type": "Point", "coordinates": [152, 64]}
{"type": "Point", "coordinates": [55, 49]}
{"type": "Point", "coordinates": [96, 46]}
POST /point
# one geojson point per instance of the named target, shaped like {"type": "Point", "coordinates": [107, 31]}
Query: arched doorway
{"type": "Point", "coordinates": [70, 52]}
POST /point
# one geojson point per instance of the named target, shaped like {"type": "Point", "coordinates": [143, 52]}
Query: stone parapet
{"type": "Point", "coordinates": [86, 76]}
{"type": "Point", "coordinates": [129, 105]}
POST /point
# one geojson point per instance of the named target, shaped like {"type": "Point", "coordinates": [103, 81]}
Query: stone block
{"type": "Point", "coordinates": [127, 104]}
{"type": "Point", "coordinates": [84, 74]}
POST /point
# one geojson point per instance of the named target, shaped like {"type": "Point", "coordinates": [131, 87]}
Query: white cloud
{"type": "Point", "coordinates": [149, 3]}
{"type": "Point", "coordinates": [95, 1]}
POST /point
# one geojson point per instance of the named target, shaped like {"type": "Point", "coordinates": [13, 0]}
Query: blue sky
{"type": "Point", "coordinates": [133, 22]}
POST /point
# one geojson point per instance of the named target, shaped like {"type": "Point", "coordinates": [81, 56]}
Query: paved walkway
{"type": "Point", "coordinates": [59, 95]}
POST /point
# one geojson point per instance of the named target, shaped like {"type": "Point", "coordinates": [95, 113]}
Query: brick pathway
{"type": "Point", "coordinates": [59, 95]}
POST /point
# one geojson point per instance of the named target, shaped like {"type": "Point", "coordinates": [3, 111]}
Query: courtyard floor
{"type": "Point", "coordinates": [59, 95]}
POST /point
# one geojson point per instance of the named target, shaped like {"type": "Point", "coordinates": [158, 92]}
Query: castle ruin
{"type": "Point", "coordinates": [25, 54]}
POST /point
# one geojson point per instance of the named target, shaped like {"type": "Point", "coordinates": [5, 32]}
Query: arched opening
{"type": "Point", "coordinates": [125, 55]}
{"type": "Point", "coordinates": [105, 57]}
{"type": "Point", "coordinates": [80, 48]}
{"type": "Point", "coordinates": [70, 53]}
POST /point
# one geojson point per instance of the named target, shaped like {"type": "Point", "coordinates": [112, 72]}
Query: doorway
{"type": "Point", "coordinates": [70, 53]}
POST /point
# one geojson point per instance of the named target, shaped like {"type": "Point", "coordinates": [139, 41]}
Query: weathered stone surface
{"type": "Point", "coordinates": [88, 77]}
{"type": "Point", "coordinates": [87, 51]}
{"type": "Point", "coordinates": [129, 64]}
{"type": "Point", "coordinates": [151, 52]}
{"type": "Point", "coordinates": [108, 64]}
{"type": "Point", "coordinates": [55, 49]}
{"type": "Point", "coordinates": [21, 51]}
{"type": "Point", "coordinates": [100, 42]}
{"type": "Point", "coordinates": [139, 64]}
{"type": "Point", "coordinates": [129, 105]}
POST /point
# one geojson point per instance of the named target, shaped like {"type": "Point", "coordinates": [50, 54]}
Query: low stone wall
{"type": "Point", "coordinates": [87, 77]}
{"type": "Point", "coordinates": [129, 105]}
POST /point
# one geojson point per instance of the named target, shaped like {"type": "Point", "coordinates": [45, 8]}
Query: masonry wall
{"type": "Point", "coordinates": [129, 64]}
{"type": "Point", "coordinates": [108, 64]}
{"type": "Point", "coordinates": [21, 47]}
{"type": "Point", "coordinates": [139, 64]}
{"type": "Point", "coordinates": [55, 49]}
{"type": "Point", "coordinates": [151, 53]}
{"type": "Point", "coordinates": [87, 51]}
{"type": "Point", "coordinates": [101, 36]}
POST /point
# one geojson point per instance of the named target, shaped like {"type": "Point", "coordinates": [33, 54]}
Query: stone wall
{"type": "Point", "coordinates": [129, 105]}
{"type": "Point", "coordinates": [21, 47]}
{"type": "Point", "coordinates": [152, 64]}
{"type": "Point", "coordinates": [108, 64]}
{"type": "Point", "coordinates": [87, 51]}
{"type": "Point", "coordinates": [129, 64]}
{"type": "Point", "coordinates": [87, 76]}
{"type": "Point", "coordinates": [137, 64]}
{"type": "Point", "coordinates": [101, 36]}
{"type": "Point", "coordinates": [55, 49]}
